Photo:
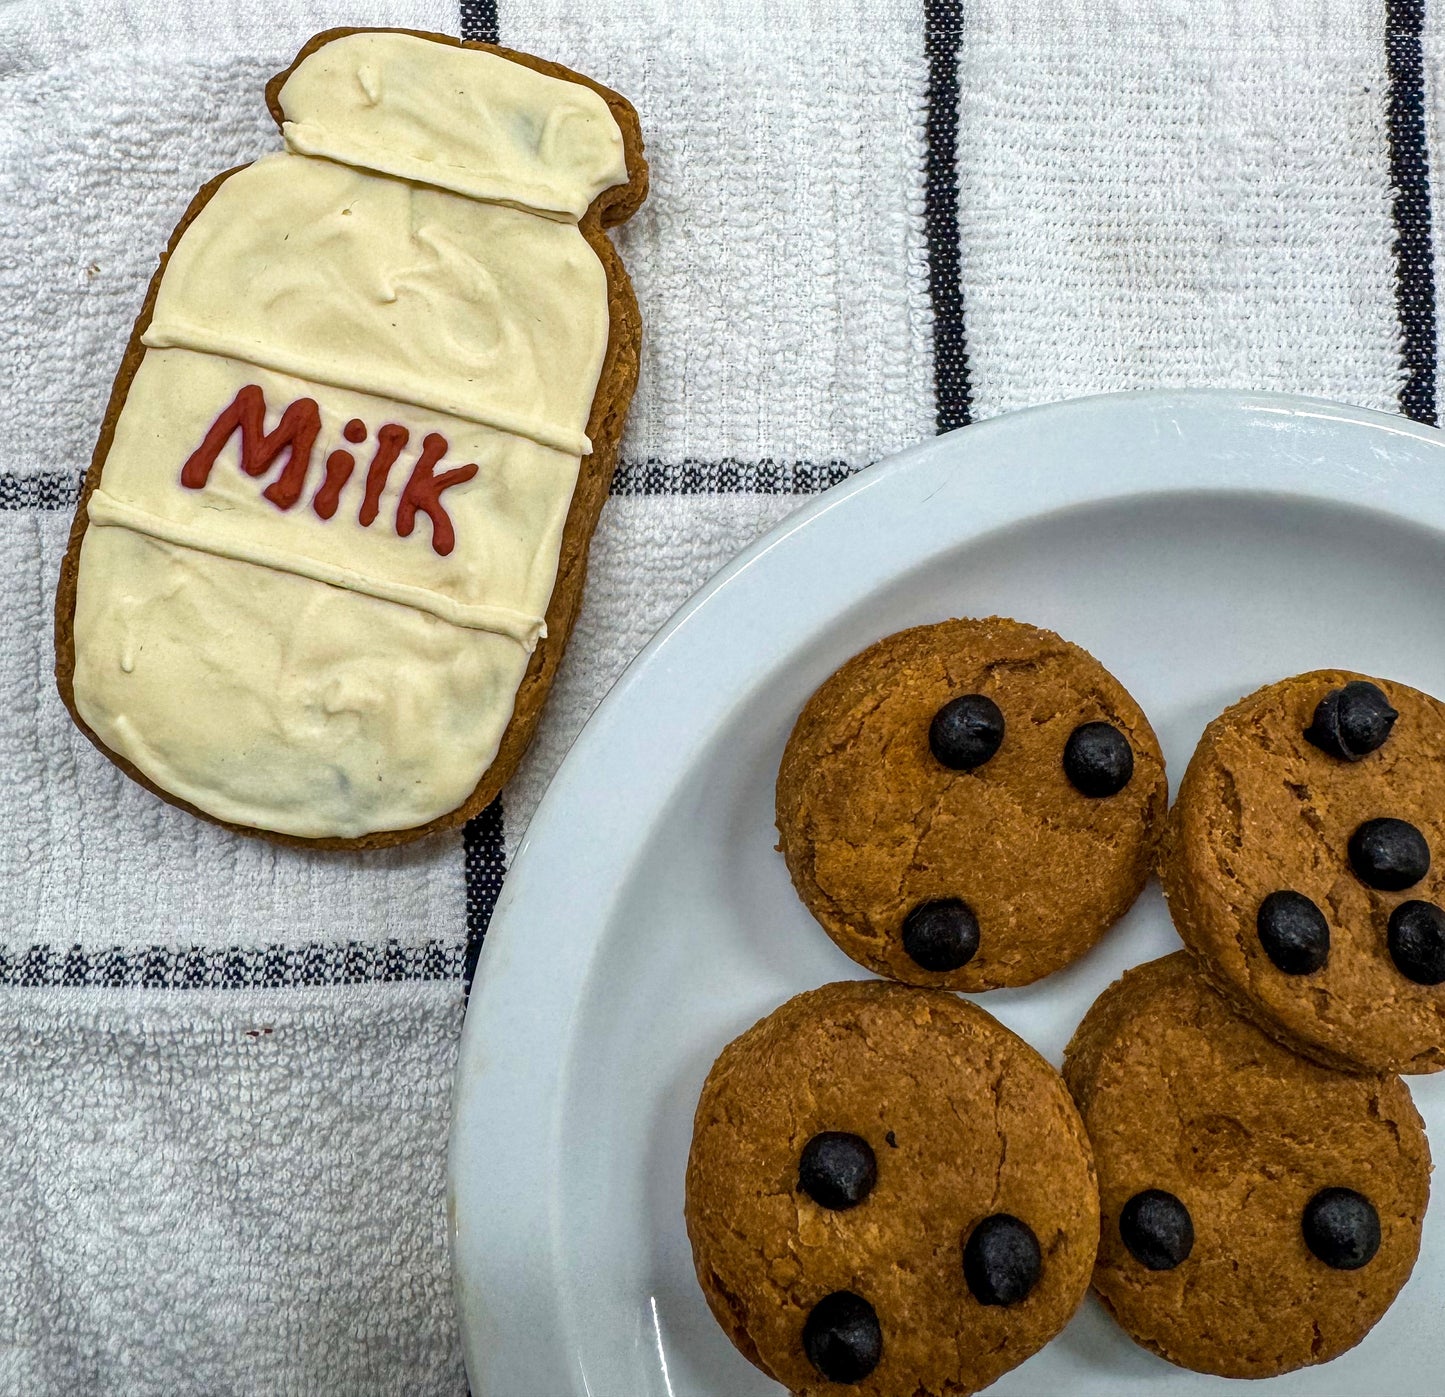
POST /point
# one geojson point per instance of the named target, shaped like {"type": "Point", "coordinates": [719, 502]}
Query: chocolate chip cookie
{"type": "Point", "coordinates": [1304, 866]}
{"type": "Point", "coordinates": [1260, 1211]}
{"type": "Point", "coordinates": [970, 804]}
{"type": "Point", "coordinates": [888, 1189]}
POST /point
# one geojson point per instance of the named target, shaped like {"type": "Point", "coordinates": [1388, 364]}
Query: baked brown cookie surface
{"type": "Point", "coordinates": [1260, 1211]}
{"type": "Point", "coordinates": [970, 804]}
{"type": "Point", "coordinates": [888, 1189]}
{"type": "Point", "coordinates": [1304, 866]}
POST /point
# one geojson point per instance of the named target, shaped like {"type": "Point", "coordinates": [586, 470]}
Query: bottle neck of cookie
{"type": "Point", "coordinates": [458, 119]}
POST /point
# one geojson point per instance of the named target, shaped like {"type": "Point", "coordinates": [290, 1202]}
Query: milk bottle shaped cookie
{"type": "Point", "coordinates": [335, 529]}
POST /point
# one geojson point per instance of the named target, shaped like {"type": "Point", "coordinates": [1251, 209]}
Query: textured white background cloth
{"type": "Point", "coordinates": [241, 1190]}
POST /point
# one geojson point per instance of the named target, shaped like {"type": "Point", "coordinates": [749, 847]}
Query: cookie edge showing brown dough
{"type": "Point", "coordinates": [604, 426]}
{"type": "Point", "coordinates": [1178, 877]}
{"type": "Point", "coordinates": [727, 1309]}
{"type": "Point", "coordinates": [829, 915]}
{"type": "Point", "coordinates": [1104, 1023]}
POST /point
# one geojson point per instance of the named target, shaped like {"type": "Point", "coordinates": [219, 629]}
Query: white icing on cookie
{"type": "Point", "coordinates": [472, 122]}
{"type": "Point", "coordinates": [330, 274]}
{"type": "Point", "coordinates": [245, 690]}
{"type": "Point", "coordinates": [328, 525]}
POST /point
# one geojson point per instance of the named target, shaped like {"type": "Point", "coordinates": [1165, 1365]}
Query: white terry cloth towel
{"type": "Point", "coordinates": [226, 1065]}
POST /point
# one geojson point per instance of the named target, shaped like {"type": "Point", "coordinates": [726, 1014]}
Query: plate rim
{"type": "Point", "coordinates": [505, 1133]}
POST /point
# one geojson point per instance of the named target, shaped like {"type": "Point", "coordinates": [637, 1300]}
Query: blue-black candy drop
{"type": "Point", "coordinates": [1098, 760]}
{"type": "Point", "coordinates": [1157, 1229]}
{"type": "Point", "coordinates": [1001, 1260]}
{"type": "Point", "coordinates": [1293, 932]}
{"type": "Point", "coordinates": [1342, 1228]}
{"type": "Point", "coordinates": [842, 1337]}
{"type": "Point", "coordinates": [1352, 722]}
{"type": "Point", "coordinates": [1416, 937]}
{"type": "Point", "coordinates": [941, 935]}
{"type": "Point", "coordinates": [837, 1169]}
{"type": "Point", "coordinates": [966, 732]}
{"type": "Point", "coordinates": [1389, 854]}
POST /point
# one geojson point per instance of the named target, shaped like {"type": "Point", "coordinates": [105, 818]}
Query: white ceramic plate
{"type": "Point", "coordinates": [1199, 544]}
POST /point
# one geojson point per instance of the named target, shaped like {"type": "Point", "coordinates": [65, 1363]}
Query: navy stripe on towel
{"type": "Point", "coordinates": [942, 40]}
{"type": "Point", "coordinates": [48, 490]}
{"type": "Point", "coordinates": [1410, 177]}
{"type": "Point", "coordinates": [479, 21]}
{"type": "Point", "coordinates": [727, 477]}
{"type": "Point", "coordinates": [231, 967]}
{"type": "Point", "coordinates": [484, 861]}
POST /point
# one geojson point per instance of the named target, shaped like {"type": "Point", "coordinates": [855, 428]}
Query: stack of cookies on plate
{"type": "Point", "coordinates": [889, 1191]}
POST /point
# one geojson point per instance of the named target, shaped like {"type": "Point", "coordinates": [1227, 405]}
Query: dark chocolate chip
{"type": "Point", "coordinates": [941, 935]}
{"type": "Point", "coordinates": [842, 1338]}
{"type": "Point", "coordinates": [966, 732]}
{"type": "Point", "coordinates": [1352, 722]}
{"type": "Point", "coordinates": [1416, 938]}
{"type": "Point", "coordinates": [1157, 1229]}
{"type": "Point", "coordinates": [1293, 932]}
{"type": "Point", "coordinates": [892, 1140]}
{"type": "Point", "coordinates": [1098, 759]}
{"type": "Point", "coordinates": [1001, 1260]}
{"type": "Point", "coordinates": [837, 1169]}
{"type": "Point", "coordinates": [1342, 1228]}
{"type": "Point", "coordinates": [1389, 854]}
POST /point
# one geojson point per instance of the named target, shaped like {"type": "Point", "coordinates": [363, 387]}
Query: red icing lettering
{"type": "Point", "coordinates": [339, 466]}
{"type": "Point", "coordinates": [295, 434]}
{"type": "Point", "coordinates": [389, 442]}
{"type": "Point", "coordinates": [424, 490]}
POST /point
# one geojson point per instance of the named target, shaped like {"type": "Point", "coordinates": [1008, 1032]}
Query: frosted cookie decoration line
{"type": "Point", "coordinates": [335, 529]}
